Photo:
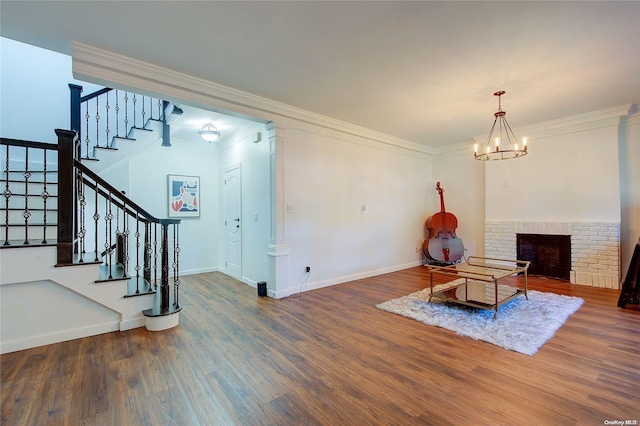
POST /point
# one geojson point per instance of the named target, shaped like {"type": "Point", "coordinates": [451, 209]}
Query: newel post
{"type": "Point", "coordinates": [75, 114]}
{"type": "Point", "coordinates": [66, 196]}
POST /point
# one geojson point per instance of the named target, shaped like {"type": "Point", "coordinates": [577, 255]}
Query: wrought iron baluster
{"type": "Point", "coordinates": [106, 231]}
{"type": "Point", "coordinates": [159, 109]}
{"type": "Point", "coordinates": [26, 213]}
{"type": "Point", "coordinates": [147, 252]}
{"type": "Point", "coordinates": [134, 100]}
{"type": "Point", "coordinates": [107, 130]}
{"type": "Point", "coordinates": [45, 196]}
{"type": "Point", "coordinates": [7, 196]}
{"type": "Point", "coordinates": [126, 114]}
{"type": "Point", "coordinates": [96, 218]}
{"type": "Point", "coordinates": [82, 203]}
{"type": "Point", "coordinates": [125, 233]}
{"type": "Point", "coordinates": [143, 112]}
{"type": "Point", "coordinates": [97, 122]}
{"type": "Point", "coordinates": [117, 228]}
{"type": "Point", "coordinates": [120, 241]}
{"type": "Point", "coordinates": [137, 268]}
{"type": "Point", "coordinates": [87, 139]}
{"type": "Point", "coordinates": [109, 234]}
{"type": "Point", "coordinates": [117, 109]}
{"type": "Point", "coordinates": [155, 254]}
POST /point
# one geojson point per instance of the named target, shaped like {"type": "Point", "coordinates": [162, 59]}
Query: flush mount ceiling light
{"type": "Point", "coordinates": [209, 132]}
{"type": "Point", "coordinates": [504, 144]}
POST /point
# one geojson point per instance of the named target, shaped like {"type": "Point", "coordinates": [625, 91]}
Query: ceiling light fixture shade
{"type": "Point", "coordinates": [209, 132]}
{"type": "Point", "coordinates": [504, 145]}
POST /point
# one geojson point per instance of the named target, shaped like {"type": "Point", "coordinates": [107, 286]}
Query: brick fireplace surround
{"type": "Point", "coordinates": [595, 247]}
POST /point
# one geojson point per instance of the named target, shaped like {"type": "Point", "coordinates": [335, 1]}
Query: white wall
{"type": "Point", "coordinates": [328, 180]}
{"type": "Point", "coordinates": [42, 312]}
{"type": "Point", "coordinates": [34, 83]}
{"type": "Point", "coordinates": [148, 172]}
{"type": "Point", "coordinates": [569, 177]}
{"type": "Point", "coordinates": [462, 178]}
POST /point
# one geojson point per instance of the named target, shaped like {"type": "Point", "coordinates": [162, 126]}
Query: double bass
{"type": "Point", "coordinates": [443, 245]}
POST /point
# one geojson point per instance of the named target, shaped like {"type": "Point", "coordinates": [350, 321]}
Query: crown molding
{"type": "Point", "coordinates": [455, 150]}
{"type": "Point", "coordinates": [103, 67]}
{"type": "Point", "coordinates": [608, 117]}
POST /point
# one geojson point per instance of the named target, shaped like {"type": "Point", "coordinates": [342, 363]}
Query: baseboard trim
{"type": "Point", "coordinates": [341, 280]}
{"type": "Point", "coordinates": [133, 323]}
{"type": "Point", "coordinates": [58, 337]}
{"type": "Point", "coordinates": [199, 271]}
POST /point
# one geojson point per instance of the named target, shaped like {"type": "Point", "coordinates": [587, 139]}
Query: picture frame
{"type": "Point", "coordinates": [183, 199]}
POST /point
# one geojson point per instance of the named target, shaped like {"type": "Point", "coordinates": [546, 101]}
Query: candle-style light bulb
{"type": "Point", "coordinates": [475, 148]}
{"type": "Point", "coordinates": [524, 141]}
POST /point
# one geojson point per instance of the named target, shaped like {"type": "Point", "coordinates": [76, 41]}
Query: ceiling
{"type": "Point", "coordinates": [191, 120]}
{"type": "Point", "coordinates": [422, 71]}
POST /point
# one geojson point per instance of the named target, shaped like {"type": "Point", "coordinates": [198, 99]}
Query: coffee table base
{"type": "Point", "coordinates": [478, 294]}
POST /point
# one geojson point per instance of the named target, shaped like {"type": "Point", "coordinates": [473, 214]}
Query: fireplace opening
{"type": "Point", "coordinates": [550, 255]}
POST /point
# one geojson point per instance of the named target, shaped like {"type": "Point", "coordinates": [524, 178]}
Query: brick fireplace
{"type": "Point", "coordinates": [595, 247]}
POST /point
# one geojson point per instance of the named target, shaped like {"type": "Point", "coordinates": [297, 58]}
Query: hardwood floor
{"type": "Point", "coordinates": [329, 357]}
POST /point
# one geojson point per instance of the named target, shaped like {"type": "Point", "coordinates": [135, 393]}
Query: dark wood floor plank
{"type": "Point", "coordinates": [329, 357]}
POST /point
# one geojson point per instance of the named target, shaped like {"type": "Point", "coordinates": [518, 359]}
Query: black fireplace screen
{"type": "Point", "coordinates": [550, 255]}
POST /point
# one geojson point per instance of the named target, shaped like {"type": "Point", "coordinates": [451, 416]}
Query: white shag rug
{"type": "Point", "coordinates": [522, 325]}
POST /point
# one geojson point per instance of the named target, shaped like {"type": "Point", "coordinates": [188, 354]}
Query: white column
{"type": "Point", "coordinates": [278, 250]}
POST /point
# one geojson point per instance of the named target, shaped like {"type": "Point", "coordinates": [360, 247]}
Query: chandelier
{"type": "Point", "coordinates": [209, 132]}
{"type": "Point", "coordinates": [504, 145]}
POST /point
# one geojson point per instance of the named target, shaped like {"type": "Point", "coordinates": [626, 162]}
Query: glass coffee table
{"type": "Point", "coordinates": [480, 288]}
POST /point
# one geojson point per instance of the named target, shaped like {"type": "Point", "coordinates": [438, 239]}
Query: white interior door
{"type": "Point", "coordinates": [233, 225]}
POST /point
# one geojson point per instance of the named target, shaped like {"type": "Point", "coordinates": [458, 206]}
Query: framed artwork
{"type": "Point", "coordinates": [184, 196]}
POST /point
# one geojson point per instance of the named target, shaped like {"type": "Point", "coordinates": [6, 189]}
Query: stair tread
{"type": "Point", "coordinates": [113, 273]}
{"type": "Point", "coordinates": [157, 312]}
{"type": "Point", "coordinates": [138, 286]}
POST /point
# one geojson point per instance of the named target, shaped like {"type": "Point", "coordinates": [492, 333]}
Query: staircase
{"type": "Point", "coordinates": [102, 261]}
{"type": "Point", "coordinates": [114, 125]}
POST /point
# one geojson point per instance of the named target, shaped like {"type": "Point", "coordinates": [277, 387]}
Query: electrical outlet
{"type": "Point", "coordinates": [308, 269]}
